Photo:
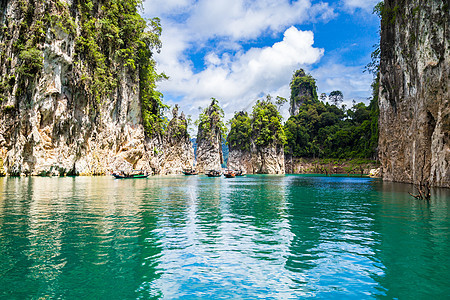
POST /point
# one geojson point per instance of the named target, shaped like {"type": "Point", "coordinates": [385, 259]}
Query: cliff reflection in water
{"type": "Point", "coordinates": [198, 237]}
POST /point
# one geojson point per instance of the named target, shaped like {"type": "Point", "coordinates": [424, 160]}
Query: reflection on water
{"type": "Point", "coordinates": [271, 237]}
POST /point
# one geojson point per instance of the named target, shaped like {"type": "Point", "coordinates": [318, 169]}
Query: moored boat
{"type": "Point", "coordinates": [190, 172]}
{"type": "Point", "coordinates": [239, 173]}
{"type": "Point", "coordinates": [229, 174]}
{"type": "Point", "coordinates": [213, 173]}
{"type": "Point", "coordinates": [131, 174]}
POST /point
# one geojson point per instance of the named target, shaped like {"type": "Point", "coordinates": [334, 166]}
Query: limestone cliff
{"type": "Point", "coordinates": [261, 160]}
{"type": "Point", "coordinates": [178, 150]}
{"type": "Point", "coordinates": [414, 142]}
{"type": "Point", "coordinates": [73, 95]}
{"type": "Point", "coordinates": [256, 142]}
{"type": "Point", "coordinates": [209, 138]}
{"type": "Point", "coordinates": [303, 89]}
{"type": "Point", "coordinates": [240, 160]}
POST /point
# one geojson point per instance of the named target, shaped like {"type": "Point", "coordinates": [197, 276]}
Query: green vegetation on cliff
{"type": "Point", "coordinates": [320, 129]}
{"type": "Point", "coordinates": [266, 124]}
{"type": "Point", "coordinates": [324, 130]}
{"type": "Point", "coordinates": [112, 44]}
{"type": "Point", "coordinates": [114, 37]}
{"type": "Point", "coordinates": [263, 128]}
{"type": "Point", "coordinates": [240, 133]}
{"type": "Point", "coordinates": [303, 90]}
{"type": "Point", "coordinates": [210, 122]}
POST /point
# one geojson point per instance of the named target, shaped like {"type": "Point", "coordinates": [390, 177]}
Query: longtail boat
{"type": "Point", "coordinates": [213, 173]}
{"type": "Point", "coordinates": [190, 172]}
{"type": "Point", "coordinates": [229, 174]}
{"type": "Point", "coordinates": [131, 174]}
{"type": "Point", "coordinates": [239, 173]}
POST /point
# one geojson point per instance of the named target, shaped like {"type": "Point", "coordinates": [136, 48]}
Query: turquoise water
{"type": "Point", "coordinates": [193, 237]}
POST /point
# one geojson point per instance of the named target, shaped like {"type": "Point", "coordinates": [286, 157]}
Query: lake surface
{"type": "Point", "coordinates": [255, 237]}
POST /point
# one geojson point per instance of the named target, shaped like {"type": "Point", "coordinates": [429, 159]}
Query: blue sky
{"type": "Point", "coordinates": [238, 50]}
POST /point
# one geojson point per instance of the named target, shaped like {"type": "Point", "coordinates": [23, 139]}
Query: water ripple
{"type": "Point", "coordinates": [269, 237]}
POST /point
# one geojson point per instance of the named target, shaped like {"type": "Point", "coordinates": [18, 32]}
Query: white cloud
{"type": "Point", "coordinates": [238, 19]}
{"type": "Point", "coordinates": [157, 8]}
{"type": "Point", "coordinates": [366, 5]}
{"type": "Point", "coordinates": [238, 80]}
{"type": "Point", "coordinates": [231, 74]}
{"type": "Point", "coordinates": [235, 76]}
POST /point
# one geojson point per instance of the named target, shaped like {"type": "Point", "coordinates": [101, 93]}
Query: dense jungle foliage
{"type": "Point", "coordinates": [263, 127]}
{"type": "Point", "coordinates": [325, 130]}
{"type": "Point", "coordinates": [112, 43]}
{"type": "Point", "coordinates": [320, 129]}
{"type": "Point", "coordinates": [210, 122]}
{"type": "Point", "coordinates": [328, 131]}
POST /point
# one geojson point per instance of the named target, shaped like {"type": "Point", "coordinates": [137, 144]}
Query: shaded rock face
{"type": "Point", "coordinates": [52, 128]}
{"type": "Point", "coordinates": [240, 160]}
{"type": "Point", "coordinates": [298, 165]}
{"type": "Point", "coordinates": [178, 150]}
{"type": "Point", "coordinates": [303, 88]}
{"type": "Point", "coordinates": [209, 141]}
{"type": "Point", "coordinates": [267, 160]}
{"type": "Point", "coordinates": [414, 142]}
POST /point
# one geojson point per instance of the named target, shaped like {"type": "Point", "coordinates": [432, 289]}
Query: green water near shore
{"type": "Point", "coordinates": [193, 237]}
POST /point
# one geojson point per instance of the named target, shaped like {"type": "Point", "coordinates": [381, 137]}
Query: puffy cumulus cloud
{"type": "Point", "coordinates": [238, 80]}
{"type": "Point", "coordinates": [238, 19]}
{"type": "Point", "coordinates": [246, 19]}
{"type": "Point", "coordinates": [231, 74]}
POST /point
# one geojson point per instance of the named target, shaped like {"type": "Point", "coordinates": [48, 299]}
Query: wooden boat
{"type": "Point", "coordinates": [213, 173]}
{"type": "Point", "coordinates": [239, 173]}
{"type": "Point", "coordinates": [190, 172]}
{"type": "Point", "coordinates": [229, 174]}
{"type": "Point", "coordinates": [131, 174]}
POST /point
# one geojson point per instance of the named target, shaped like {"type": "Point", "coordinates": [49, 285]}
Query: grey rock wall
{"type": "Point", "coordinates": [414, 122]}
{"type": "Point", "coordinates": [53, 128]}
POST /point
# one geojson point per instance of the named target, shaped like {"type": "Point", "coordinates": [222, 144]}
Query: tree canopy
{"type": "Point", "coordinates": [303, 90]}
{"type": "Point", "coordinates": [210, 121]}
{"type": "Point", "coordinates": [240, 133]}
{"type": "Point", "coordinates": [262, 128]}
{"type": "Point", "coordinates": [327, 131]}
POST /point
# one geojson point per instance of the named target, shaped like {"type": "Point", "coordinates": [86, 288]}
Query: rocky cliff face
{"type": "Point", "coordinates": [267, 160]}
{"type": "Point", "coordinates": [178, 150]}
{"type": "Point", "coordinates": [209, 139]}
{"type": "Point", "coordinates": [414, 123]}
{"type": "Point", "coordinates": [240, 160]}
{"type": "Point", "coordinates": [254, 142]}
{"type": "Point", "coordinates": [51, 123]}
{"type": "Point", "coordinates": [303, 89]}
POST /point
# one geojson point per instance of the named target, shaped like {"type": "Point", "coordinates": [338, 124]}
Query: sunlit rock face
{"type": "Point", "coordinates": [178, 150]}
{"type": "Point", "coordinates": [209, 141]}
{"type": "Point", "coordinates": [240, 160]}
{"type": "Point", "coordinates": [414, 124]}
{"type": "Point", "coordinates": [48, 126]}
{"type": "Point", "coordinates": [259, 160]}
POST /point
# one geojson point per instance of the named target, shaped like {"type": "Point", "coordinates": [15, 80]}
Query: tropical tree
{"type": "Point", "coordinates": [336, 97]}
